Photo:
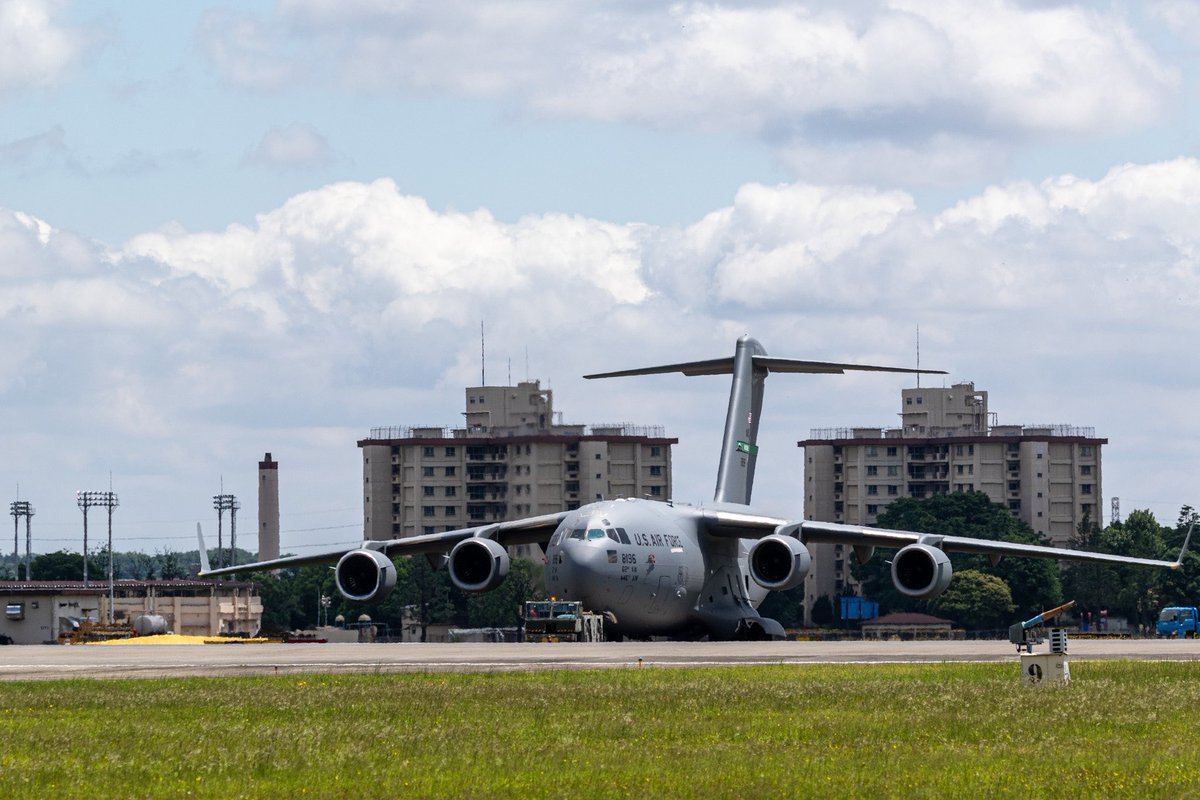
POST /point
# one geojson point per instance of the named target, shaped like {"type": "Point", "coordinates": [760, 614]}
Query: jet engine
{"type": "Point", "coordinates": [779, 562]}
{"type": "Point", "coordinates": [366, 576]}
{"type": "Point", "coordinates": [921, 571]}
{"type": "Point", "coordinates": [478, 564]}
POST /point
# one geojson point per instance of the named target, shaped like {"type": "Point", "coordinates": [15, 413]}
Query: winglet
{"type": "Point", "coordinates": [204, 567]}
{"type": "Point", "coordinates": [1183, 550]}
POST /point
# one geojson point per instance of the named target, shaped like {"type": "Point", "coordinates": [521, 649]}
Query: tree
{"type": "Point", "coordinates": [1181, 587]}
{"type": "Point", "coordinates": [1137, 594]}
{"type": "Point", "coordinates": [502, 606]}
{"type": "Point", "coordinates": [1033, 582]}
{"type": "Point", "coordinates": [786, 608]}
{"type": "Point", "coordinates": [976, 601]}
{"type": "Point", "coordinates": [1091, 585]}
{"type": "Point", "coordinates": [66, 566]}
{"type": "Point", "coordinates": [822, 611]}
{"type": "Point", "coordinates": [428, 591]}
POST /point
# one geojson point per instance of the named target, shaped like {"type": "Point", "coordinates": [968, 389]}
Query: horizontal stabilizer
{"type": "Point", "coordinates": [724, 366]}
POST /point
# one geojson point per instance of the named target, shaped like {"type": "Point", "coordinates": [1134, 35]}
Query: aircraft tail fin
{"type": "Point", "coordinates": [204, 566]}
{"type": "Point", "coordinates": [749, 367]}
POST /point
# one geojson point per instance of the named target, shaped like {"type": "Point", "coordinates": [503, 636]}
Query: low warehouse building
{"type": "Point", "coordinates": [37, 612]}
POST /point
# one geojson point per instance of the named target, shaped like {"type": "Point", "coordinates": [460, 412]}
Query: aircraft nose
{"type": "Point", "coordinates": [581, 565]}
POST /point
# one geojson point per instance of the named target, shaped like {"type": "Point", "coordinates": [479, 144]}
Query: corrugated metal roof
{"type": "Point", "coordinates": [908, 618]}
{"type": "Point", "coordinates": [101, 585]}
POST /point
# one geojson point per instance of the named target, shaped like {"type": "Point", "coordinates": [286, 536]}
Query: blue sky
{"type": "Point", "coordinates": [232, 228]}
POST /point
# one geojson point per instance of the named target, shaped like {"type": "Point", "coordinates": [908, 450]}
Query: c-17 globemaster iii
{"type": "Point", "coordinates": [657, 568]}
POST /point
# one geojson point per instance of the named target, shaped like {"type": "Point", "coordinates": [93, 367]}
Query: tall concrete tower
{"type": "Point", "coordinates": [268, 509]}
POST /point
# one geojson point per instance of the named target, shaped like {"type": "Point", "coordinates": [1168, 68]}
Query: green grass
{"type": "Point", "coordinates": [1120, 729]}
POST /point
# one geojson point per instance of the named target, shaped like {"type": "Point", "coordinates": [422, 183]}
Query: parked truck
{"type": "Point", "coordinates": [1178, 622]}
{"type": "Point", "coordinates": [561, 621]}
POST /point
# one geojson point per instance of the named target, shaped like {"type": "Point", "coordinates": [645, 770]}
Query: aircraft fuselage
{"type": "Point", "coordinates": [649, 568]}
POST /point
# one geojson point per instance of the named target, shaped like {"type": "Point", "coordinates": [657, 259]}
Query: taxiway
{"type": "Point", "coordinates": [49, 662]}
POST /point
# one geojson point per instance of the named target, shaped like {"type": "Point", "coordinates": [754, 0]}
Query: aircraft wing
{"type": "Point", "coordinates": [747, 525]}
{"type": "Point", "coordinates": [530, 530]}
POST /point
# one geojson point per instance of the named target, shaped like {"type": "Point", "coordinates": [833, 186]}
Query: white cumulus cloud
{"type": "Point", "coordinates": [35, 48]}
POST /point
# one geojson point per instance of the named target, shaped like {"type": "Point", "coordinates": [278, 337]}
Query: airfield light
{"type": "Point", "coordinates": [18, 509]}
{"type": "Point", "coordinates": [107, 500]}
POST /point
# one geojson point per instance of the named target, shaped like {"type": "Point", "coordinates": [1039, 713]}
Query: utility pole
{"type": "Point", "coordinates": [109, 501]}
{"type": "Point", "coordinates": [18, 509]}
{"type": "Point", "coordinates": [223, 503]}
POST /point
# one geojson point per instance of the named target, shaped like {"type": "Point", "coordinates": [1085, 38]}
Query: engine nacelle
{"type": "Point", "coordinates": [365, 576]}
{"type": "Point", "coordinates": [477, 564]}
{"type": "Point", "coordinates": [921, 571]}
{"type": "Point", "coordinates": [779, 562]}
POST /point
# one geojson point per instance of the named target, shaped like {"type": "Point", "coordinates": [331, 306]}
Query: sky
{"type": "Point", "coordinates": [228, 229]}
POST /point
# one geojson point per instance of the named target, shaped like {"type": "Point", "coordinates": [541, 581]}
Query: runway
{"type": "Point", "coordinates": [51, 662]}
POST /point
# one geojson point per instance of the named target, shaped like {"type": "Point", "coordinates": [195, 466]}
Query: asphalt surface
{"type": "Point", "coordinates": [50, 662]}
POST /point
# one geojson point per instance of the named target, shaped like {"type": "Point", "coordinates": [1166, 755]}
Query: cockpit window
{"type": "Point", "coordinates": [612, 534]}
{"type": "Point", "coordinates": [578, 533]}
{"type": "Point", "coordinates": [624, 536]}
{"type": "Point", "coordinates": [595, 533]}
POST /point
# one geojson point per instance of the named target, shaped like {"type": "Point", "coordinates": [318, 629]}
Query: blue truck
{"type": "Point", "coordinates": [1177, 622]}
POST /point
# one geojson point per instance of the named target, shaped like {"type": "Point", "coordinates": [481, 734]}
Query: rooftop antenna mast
{"type": "Point", "coordinates": [482, 357]}
{"type": "Point", "coordinates": [918, 355]}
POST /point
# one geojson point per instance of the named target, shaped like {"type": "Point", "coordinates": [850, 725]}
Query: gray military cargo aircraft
{"type": "Point", "coordinates": [668, 569]}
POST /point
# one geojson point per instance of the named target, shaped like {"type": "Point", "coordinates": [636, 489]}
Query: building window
{"type": "Point", "coordinates": [1086, 488]}
{"type": "Point", "coordinates": [427, 529]}
{"type": "Point", "coordinates": [451, 491]}
{"type": "Point", "coordinates": [428, 490]}
{"type": "Point", "coordinates": [450, 472]}
{"type": "Point", "coordinates": [655, 452]}
{"type": "Point", "coordinates": [872, 469]}
{"type": "Point", "coordinates": [893, 491]}
{"type": "Point", "coordinates": [656, 470]}
{"type": "Point", "coordinates": [920, 400]}
{"type": "Point", "coordinates": [891, 451]}
{"type": "Point", "coordinates": [427, 472]}
{"type": "Point", "coordinates": [1085, 450]}
{"type": "Point", "coordinates": [872, 508]}
{"type": "Point", "coordinates": [429, 511]}
{"type": "Point", "coordinates": [597, 456]}
{"type": "Point", "coordinates": [656, 491]}
{"type": "Point", "coordinates": [449, 452]}
{"type": "Point", "coordinates": [451, 511]}
{"type": "Point", "coordinates": [427, 452]}
{"type": "Point", "coordinates": [872, 489]}
{"type": "Point", "coordinates": [1086, 469]}
{"type": "Point", "coordinates": [893, 471]}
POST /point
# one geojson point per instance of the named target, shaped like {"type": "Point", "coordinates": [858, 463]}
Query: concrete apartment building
{"type": "Point", "coordinates": [509, 460]}
{"type": "Point", "coordinates": [1048, 476]}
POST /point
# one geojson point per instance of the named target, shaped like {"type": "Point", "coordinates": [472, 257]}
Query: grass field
{"type": "Point", "coordinates": [1120, 729]}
